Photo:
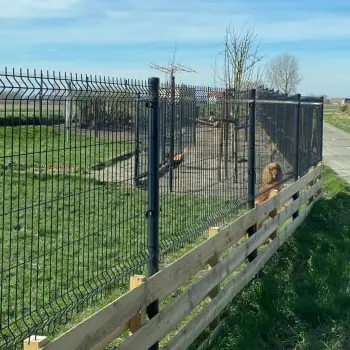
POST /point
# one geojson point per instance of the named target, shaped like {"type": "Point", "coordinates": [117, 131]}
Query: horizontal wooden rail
{"type": "Point", "coordinates": [184, 304]}
{"type": "Point", "coordinates": [106, 325]}
{"type": "Point", "coordinates": [197, 325]}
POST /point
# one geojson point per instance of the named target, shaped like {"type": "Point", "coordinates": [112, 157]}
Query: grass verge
{"type": "Point", "coordinates": [333, 116]}
{"type": "Point", "coordinates": [302, 301]}
{"type": "Point", "coordinates": [69, 243]}
{"type": "Point", "coordinates": [339, 122]}
{"type": "Point", "coordinates": [48, 147]}
{"type": "Point", "coordinates": [67, 240]}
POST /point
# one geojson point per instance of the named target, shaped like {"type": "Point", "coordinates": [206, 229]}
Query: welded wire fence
{"type": "Point", "coordinates": [75, 171]}
{"type": "Point", "coordinates": [295, 145]}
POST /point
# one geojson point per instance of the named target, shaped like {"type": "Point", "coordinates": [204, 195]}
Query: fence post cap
{"type": "Point", "coordinates": [35, 342]}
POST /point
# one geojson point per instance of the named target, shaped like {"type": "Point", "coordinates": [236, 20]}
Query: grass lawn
{"type": "Point", "coordinates": [302, 301]}
{"type": "Point", "coordinates": [66, 238]}
{"type": "Point", "coordinates": [48, 147]}
{"type": "Point", "coordinates": [338, 122]}
{"type": "Point", "coordinates": [14, 111]}
{"type": "Point", "coordinates": [330, 109]}
{"type": "Point", "coordinates": [330, 117]}
{"type": "Point", "coordinates": [68, 243]}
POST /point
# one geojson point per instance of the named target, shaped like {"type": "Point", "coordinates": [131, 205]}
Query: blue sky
{"type": "Point", "coordinates": [121, 37]}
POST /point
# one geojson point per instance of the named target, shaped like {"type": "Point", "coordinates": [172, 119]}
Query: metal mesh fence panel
{"type": "Point", "coordinates": [72, 224]}
{"type": "Point", "coordinates": [75, 166]}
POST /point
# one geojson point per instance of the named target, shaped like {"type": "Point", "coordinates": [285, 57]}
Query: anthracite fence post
{"type": "Point", "coordinates": [172, 132]}
{"type": "Point", "coordinates": [321, 121]}
{"type": "Point", "coordinates": [164, 127]}
{"type": "Point", "coordinates": [162, 130]}
{"type": "Point", "coordinates": [137, 142]}
{"type": "Point", "coordinates": [41, 97]}
{"type": "Point", "coordinates": [297, 149]}
{"type": "Point", "coordinates": [181, 113]}
{"type": "Point", "coordinates": [153, 191]}
{"type": "Point", "coordinates": [251, 165]}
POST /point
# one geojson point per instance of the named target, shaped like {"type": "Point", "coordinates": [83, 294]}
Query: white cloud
{"type": "Point", "coordinates": [125, 26]}
{"type": "Point", "coordinates": [16, 9]}
{"type": "Point", "coordinates": [154, 22]}
{"type": "Point", "coordinates": [323, 27]}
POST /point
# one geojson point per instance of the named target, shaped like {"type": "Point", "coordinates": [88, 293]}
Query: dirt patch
{"type": "Point", "coordinates": [198, 175]}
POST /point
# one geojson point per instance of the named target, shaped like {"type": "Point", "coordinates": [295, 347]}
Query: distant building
{"type": "Point", "coordinates": [339, 100]}
{"type": "Point", "coordinates": [214, 96]}
{"type": "Point", "coordinates": [181, 93]}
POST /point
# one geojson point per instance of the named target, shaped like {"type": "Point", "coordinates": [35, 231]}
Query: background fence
{"type": "Point", "coordinates": [82, 160]}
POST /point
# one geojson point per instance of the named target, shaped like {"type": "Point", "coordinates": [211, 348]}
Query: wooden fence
{"type": "Point", "coordinates": [126, 313]}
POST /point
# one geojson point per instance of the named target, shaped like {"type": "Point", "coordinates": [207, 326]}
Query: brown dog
{"type": "Point", "coordinates": [271, 185]}
{"type": "Point", "coordinates": [272, 178]}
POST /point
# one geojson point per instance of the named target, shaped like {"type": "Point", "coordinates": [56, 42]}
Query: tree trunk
{"type": "Point", "coordinates": [226, 139]}
{"type": "Point", "coordinates": [220, 153]}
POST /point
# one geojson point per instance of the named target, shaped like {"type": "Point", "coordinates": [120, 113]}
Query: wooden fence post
{"type": "Point", "coordinates": [35, 342]}
{"type": "Point", "coordinates": [138, 320]}
{"type": "Point", "coordinates": [273, 214]}
{"type": "Point", "coordinates": [212, 262]}
{"type": "Point", "coordinates": [311, 183]}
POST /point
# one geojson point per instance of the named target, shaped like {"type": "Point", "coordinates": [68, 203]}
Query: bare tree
{"type": "Point", "coordinates": [241, 69]}
{"type": "Point", "coordinates": [282, 73]}
{"type": "Point", "coordinates": [242, 60]}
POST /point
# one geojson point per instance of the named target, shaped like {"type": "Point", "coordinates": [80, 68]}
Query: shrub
{"type": "Point", "coordinates": [344, 109]}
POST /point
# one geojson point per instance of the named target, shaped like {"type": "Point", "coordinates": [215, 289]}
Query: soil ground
{"type": "Point", "coordinates": [198, 175]}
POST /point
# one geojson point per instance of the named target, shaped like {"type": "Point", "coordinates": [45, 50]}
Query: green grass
{"type": "Point", "coordinates": [302, 300]}
{"type": "Point", "coordinates": [331, 117]}
{"type": "Point", "coordinates": [61, 233]}
{"type": "Point", "coordinates": [30, 112]}
{"type": "Point", "coordinates": [41, 146]}
{"type": "Point", "coordinates": [329, 109]}
{"type": "Point", "coordinates": [339, 122]}
{"type": "Point", "coordinates": [77, 235]}
{"type": "Point", "coordinates": [65, 236]}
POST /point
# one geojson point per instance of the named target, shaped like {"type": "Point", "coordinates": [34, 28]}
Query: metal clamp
{"type": "Point", "coordinates": [151, 213]}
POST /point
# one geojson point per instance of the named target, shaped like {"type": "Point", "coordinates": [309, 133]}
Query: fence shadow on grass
{"type": "Point", "coordinates": [302, 300]}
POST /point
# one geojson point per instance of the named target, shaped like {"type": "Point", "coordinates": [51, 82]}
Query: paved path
{"type": "Point", "coordinates": [336, 150]}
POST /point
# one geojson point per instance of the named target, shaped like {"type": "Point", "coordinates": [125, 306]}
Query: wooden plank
{"type": "Point", "coordinates": [92, 331]}
{"type": "Point", "coordinates": [113, 317]}
{"type": "Point", "coordinates": [173, 314]}
{"type": "Point", "coordinates": [279, 199]}
{"type": "Point", "coordinates": [139, 319]}
{"type": "Point", "coordinates": [311, 183]}
{"type": "Point", "coordinates": [273, 214]}
{"type": "Point", "coordinates": [197, 325]}
{"type": "Point", "coordinates": [35, 342]}
{"type": "Point", "coordinates": [112, 335]}
{"type": "Point", "coordinates": [99, 344]}
{"type": "Point", "coordinates": [209, 341]}
{"type": "Point", "coordinates": [271, 226]}
{"type": "Point", "coordinates": [319, 193]}
{"type": "Point", "coordinates": [214, 260]}
{"type": "Point", "coordinates": [282, 197]}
